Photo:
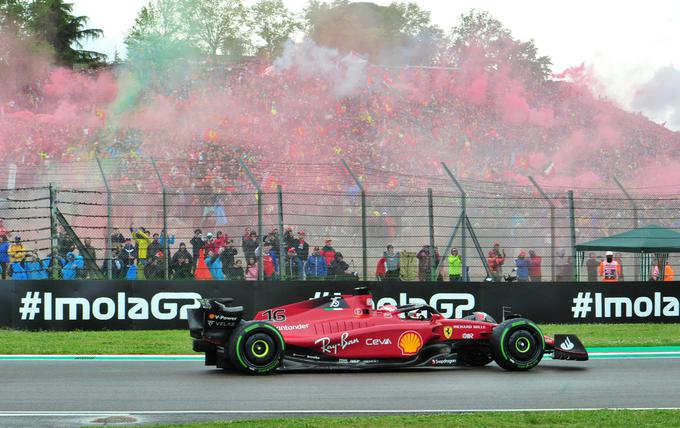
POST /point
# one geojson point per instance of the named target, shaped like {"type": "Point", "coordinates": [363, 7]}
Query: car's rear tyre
{"type": "Point", "coordinates": [256, 347]}
{"type": "Point", "coordinates": [517, 344]}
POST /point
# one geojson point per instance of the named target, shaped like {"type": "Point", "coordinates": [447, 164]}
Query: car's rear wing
{"type": "Point", "coordinates": [214, 321]}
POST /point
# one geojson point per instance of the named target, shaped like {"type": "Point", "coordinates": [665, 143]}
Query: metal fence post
{"type": "Point", "coordinates": [552, 226]}
{"type": "Point", "coordinates": [282, 245]}
{"type": "Point", "coordinates": [109, 244]}
{"type": "Point", "coordinates": [166, 236]}
{"type": "Point", "coordinates": [54, 271]}
{"type": "Point", "coordinates": [463, 215]}
{"type": "Point", "coordinates": [572, 228]}
{"type": "Point", "coordinates": [636, 223]}
{"type": "Point", "coordinates": [251, 177]}
{"type": "Point", "coordinates": [434, 269]}
{"type": "Point", "coordinates": [364, 238]}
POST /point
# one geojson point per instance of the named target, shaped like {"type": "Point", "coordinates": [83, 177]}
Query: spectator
{"type": "Point", "coordinates": [129, 253]}
{"type": "Point", "coordinates": [455, 266]}
{"type": "Point", "coordinates": [339, 266]}
{"type": "Point", "coordinates": [668, 273]}
{"type": "Point", "coordinates": [163, 238]}
{"type": "Point", "coordinates": [155, 246]}
{"type": "Point", "coordinates": [495, 265]}
{"type": "Point", "coordinates": [210, 245]}
{"type": "Point", "coordinates": [131, 273]}
{"type": "Point", "coordinates": [591, 267]}
{"type": "Point", "coordinates": [380, 269]}
{"type": "Point", "coordinates": [291, 264]}
{"type": "Point", "coordinates": [196, 245]}
{"type": "Point", "coordinates": [250, 245]}
{"type": "Point", "coordinates": [34, 268]}
{"type": "Point", "coordinates": [315, 267]}
{"type": "Point", "coordinates": [155, 267]}
{"type": "Point", "coordinates": [392, 264]}
{"type": "Point", "coordinates": [214, 263]}
{"type": "Point", "coordinates": [288, 238]}
{"type": "Point", "coordinates": [535, 267]}
{"type": "Point", "coordinates": [16, 251]}
{"type": "Point", "coordinates": [565, 270]}
{"type": "Point", "coordinates": [87, 243]}
{"type": "Point", "coordinates": [142, 238]}
{"type": "Point", "coordinates": [220, 242]}
{"type": "Point", "coordinates": [522, 265]}
{"type": "Point", "coordinates": [182, 263]}
{"type": "Point", "coordinates": [4, 255]}
{"type": "Point", "coordinates": [499, 255]}
{"type": "Point", "coordinates": [228, 256]}
{"type": "Point", "coordinates": [269, 261]}
{"type": "Point", "coordinates": [236, 271]}
{"type": "Point", "coordinates": [65, 244]}
{"type": "Point", "coordinates": [81, 272]}
{"type": "Point", "coordinates": [70, 268]}
{"type": "Point", "coordinates": [301, 252]}
{"type": "Point", "coordinates": [17, 272]}
{"type": "Point", "coordinates": [424, 264]}
{"type": "Point", "coordinates": [3, 231]}
{"type": "Point", "coordinates": [118, 268]}
{"type": "Point", "coordinates": [609, 269]}
{"type": "Point", "coordinates": [328, 252]}
{"type": "Point", "coordinates": [251, 270]}
{"type": "Point", "coordinates": [273, 240]}
{"type": "Point", "coordinates": [117, 239]}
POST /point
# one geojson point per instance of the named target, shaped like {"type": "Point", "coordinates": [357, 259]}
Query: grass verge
{"type": "Point", "coordinates": [178, 341]}
{"type": "Point", "coordinates": [585, 419]}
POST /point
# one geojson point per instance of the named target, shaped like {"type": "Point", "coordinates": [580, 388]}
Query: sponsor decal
{"type": "Point", "coordinates": [468, 335]}
{"type": "Point", "coordinates": [335, 302]}
{"type": "Point", "coordinates": [163, 306]}
{"type": "Point", "coordinates": [358, 312]}
{"type": "Point", "coordinates": [410, 342]}
{"type": "Point", "coordinates": [624, 307]}
{"type": "Point", "coordinates": [444, 362]}
{"type": "Point", "coordinates": [567, 345]}
{"type": "Point", "coordinates": [292, 327]}
{"type": "Point", "coordinates": [275, 315]}
{"type": "Point", "coordinates": [387, 315]}
{"type": "Point", "coordinates": [448, 332]}
{"type": "Point", "coordinates": [332, 348]}
{"type": "Point", "coordinates": [378, 342]}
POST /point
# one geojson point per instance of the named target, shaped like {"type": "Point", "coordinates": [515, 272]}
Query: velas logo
{"type": "Point", "coordinates": [448, 332]}
{"type": "Point", "coordinates": [410, 342]}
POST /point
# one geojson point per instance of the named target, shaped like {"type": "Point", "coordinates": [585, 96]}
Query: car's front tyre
{"type": "Point", "coordinates": [517, 344]}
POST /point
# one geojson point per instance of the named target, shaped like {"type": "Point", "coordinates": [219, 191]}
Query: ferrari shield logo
{"type": "Point", "coordinates": [448, 332]}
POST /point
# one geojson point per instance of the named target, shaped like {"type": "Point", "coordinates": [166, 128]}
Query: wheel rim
{"type": "Point", "coordinates": [522, 346]}
{"type": "Point", "coordinates": [259, 349]}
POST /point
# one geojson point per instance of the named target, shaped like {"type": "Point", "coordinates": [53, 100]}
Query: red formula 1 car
{"type": "Point", "coordinates": [345, 332]}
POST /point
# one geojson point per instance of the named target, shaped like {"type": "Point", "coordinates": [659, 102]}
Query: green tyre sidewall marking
{"type": "Point", "coordinates": [522, 339]}
{"type": "Point", "coordinates": [239, 351]}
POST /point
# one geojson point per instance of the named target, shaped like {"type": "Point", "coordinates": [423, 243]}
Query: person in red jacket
{"type": "Point", "coordinates": [328, 252]}
{"type": "Point", "coordinates": [380, 269]}
{"type": "Point", "coordinates": [534, 266]}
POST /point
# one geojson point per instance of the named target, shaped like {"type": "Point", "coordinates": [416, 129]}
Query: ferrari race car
{"type": "Point", "coordinates": [345, 332]}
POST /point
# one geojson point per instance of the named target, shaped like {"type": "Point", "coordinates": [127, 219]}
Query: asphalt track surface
{"type": "Point", "coordinates": [73, 393]}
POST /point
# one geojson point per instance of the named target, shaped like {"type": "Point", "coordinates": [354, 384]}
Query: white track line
{"type": "Point", "coordinates": [312, 412]}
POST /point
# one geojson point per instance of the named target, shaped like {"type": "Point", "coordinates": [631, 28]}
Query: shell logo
{"type": "Point", "coordinates": [410, 342]}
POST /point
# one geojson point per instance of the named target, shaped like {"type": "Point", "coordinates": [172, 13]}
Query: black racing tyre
{"type": "Point", "coordinates": [476, 356]}
{"type": "Point", "coordinates": [517, 344]}
{"type": "Point", "coordinates": [255, 347]}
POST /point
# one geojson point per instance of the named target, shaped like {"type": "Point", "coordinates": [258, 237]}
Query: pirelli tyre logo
{"type": "Point", "coordinates": [451, 305]}
{"type": "Point", "coordinates": [162, 306]}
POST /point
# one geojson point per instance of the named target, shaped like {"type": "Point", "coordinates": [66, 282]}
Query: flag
{"type": "Point", "coordinates": [549, 169]}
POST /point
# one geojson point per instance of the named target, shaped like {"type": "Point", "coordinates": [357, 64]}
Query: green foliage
{"type": "Point", "coordinates": [53, 22]}
{"type": "Point", "coordinates": [273, 24]}
{"type": "Point", "coordinates": [217, 26]}
{"type": "Point", "coordinates": [483, 39]}
{"type": "Point", "coordinates": [400, 33]}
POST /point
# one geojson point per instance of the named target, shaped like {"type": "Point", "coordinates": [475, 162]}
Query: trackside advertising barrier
{"type": "Point", "coordinates": [122, 305]}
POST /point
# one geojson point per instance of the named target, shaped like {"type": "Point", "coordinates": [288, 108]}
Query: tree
{"type": "Point", "coordinates": [273, 23]}
{"type": "Point", "coordinates": [218, 25]}
{"type": "Point", "coordinates": [400, 33]}
{"type": "Point", "coordinates": [53, 22]}
{"type": "Point", "coordinates": [482, 38]}
{"type": "Point", "coordinates": [13, 17]}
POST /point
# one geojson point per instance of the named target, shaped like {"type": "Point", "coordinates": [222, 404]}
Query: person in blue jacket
{"type": "Point", "coordinates": [70, 268]}
{"type": "Point", "coordinates": [214, 263]}
{"type": "Point", "coordinates": [18, 272]}
{"type": "Point", "coordinates": [4, 255]}
{"type": "Point", "coordinates": [316, 265]}
{"type": "Point", "coordinates": [131, 272]}
{"type": "Point", "coordinates": [34, 267]}
{"type": "Point", "coordinates": [522, 264]}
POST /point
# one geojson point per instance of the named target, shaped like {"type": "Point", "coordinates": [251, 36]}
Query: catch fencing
{"type": "Point", "coordinates": [361, 219]}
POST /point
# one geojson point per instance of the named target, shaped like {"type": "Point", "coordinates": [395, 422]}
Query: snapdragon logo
{"type": "Point", "coordinates": [163, 306]}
